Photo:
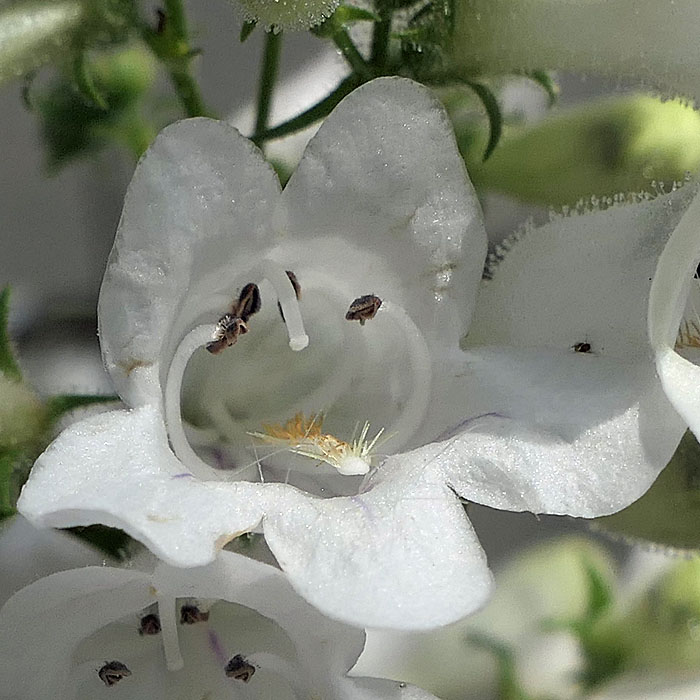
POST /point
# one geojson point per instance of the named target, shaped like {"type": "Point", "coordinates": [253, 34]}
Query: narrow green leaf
{"type": "Point", "coordinates": [546, 82]}
{"type": "Point", "coordinates": [8, 363]}
{"type": "Point", "coordinates": [493, 112]}
{"type": "Point", "coordinates": [62, 403]}
{"type": "Point", "coordinates": [247, 29]}
{"type": "Point", "coordinates": [12, 463]}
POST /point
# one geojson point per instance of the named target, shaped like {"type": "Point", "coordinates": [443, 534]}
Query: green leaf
{"type": "Point", "coordinates": [247, 29]}
{"type": "Point", "coordinates": [546, 82]}
{"type": "Point", "coordinates": [62, 403]}
{"type": "Point", "coordinates": [8, 363]}
{"type": "Point", "coordinates": [493, 112]}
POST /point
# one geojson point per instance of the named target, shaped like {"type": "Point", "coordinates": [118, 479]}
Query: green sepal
{"type": "Point", "coordinates": [72, 119]}
{"type": "Point", "coordinates": [545, 80]}
{"type": "Point", "coordinates": [8, 496]}
{"type": "Point", "coordinates": [247, 29]}
{"type": "Point", "coordinates": [669, 512]}
{"type": "Point", "coordinates": [8, 363]}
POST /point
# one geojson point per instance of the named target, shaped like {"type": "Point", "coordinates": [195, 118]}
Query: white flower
{"type": "Point", "coordinates": [234, 628]}
{"type": "Point", "coordinates": [379, 207]}
{"type": "Point", "coordinates": [644, 40]}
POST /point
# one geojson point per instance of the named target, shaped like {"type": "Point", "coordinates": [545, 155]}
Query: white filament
{"type": "Point", "coordinates": [287, 298]}
{"type": "Point", "coordinates": [167, 612]}
{"type": "Point", "coordinates": [421, 373]}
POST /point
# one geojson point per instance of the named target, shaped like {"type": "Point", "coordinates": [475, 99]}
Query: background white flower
{"type": "Point", "coordinates": [57, 634]}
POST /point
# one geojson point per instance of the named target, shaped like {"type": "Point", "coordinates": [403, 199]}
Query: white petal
{"type": "Point", "coordinates": [670, 289]}
{"type": "Point", "coordinates": [544, 427]}
{"type": "Point", "coordinates": [117, 469]}
{"type": "Point", "coordinates": [384, 175]}
{"type": "Point", "coordinates": [653, 42]}
{"type": "Point", "coordinates": [554, 432]}
{"type": "Point", "coordinates": [581, 278]}
{"type": "Point", "coordinates": [200, 198]}
{"type": "Point", "coordinates": [402, 554]}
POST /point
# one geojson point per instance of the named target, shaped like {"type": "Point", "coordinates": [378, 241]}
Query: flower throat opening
{"type": "Point", "coordinates": [366, 375]}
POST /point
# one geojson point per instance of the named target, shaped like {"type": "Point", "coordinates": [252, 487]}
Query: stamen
{"type": "Point", "coordinates": [421, 372]}
{"type": "Point", "coordinates": [286, 295]}
{"type": "Point", "coordinates": [191, 614]}
{"type": "Point", "coordinates": [239, 669]}
{"type": "Point", "coordinates": [195, 339]}
{"type": "Point", "coordinates": [112, 672]}
{"type": "Point", "coordinates": [149, 625]}
{"type": "Point", "coordinates": [363, 308]}
{"type": "Point", "coordinates": [167, 607]}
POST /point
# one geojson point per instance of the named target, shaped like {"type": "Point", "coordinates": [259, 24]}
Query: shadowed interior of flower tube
{"type": "Point", "coordinates": [343, 373]}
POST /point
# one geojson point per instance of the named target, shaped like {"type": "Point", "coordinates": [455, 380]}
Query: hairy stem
{"type": "Point", "coordinates": [268, 77]}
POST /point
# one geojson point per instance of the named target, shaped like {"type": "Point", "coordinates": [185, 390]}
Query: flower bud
{"type": "Point", "coordinates": [33, 33]}
{"type": "Point", "coordinates": [627, 144]}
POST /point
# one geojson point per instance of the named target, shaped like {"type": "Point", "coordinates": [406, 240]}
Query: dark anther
{"type": "Point", "coordinates": [227, 331]}
{"type": "Point", "coordinates": [239, 669]}
{"type": "Point", "coordinates": [150, 624]}
{"type": "Point", "coordinates": [581, 347]}
{"type": "Point", "coordinates": [297, 289]}
{"type": "Point", "coordinates": [190, 614]}
{"type": "Point", "coordinates": [248, 302]}
{"type": "Point", "coordinates": [112, 672]}
{"type": "Point", "coordinates": [363, 308]}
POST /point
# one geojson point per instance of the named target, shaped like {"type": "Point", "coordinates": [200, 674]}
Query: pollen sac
{"type": "Point", "coordinates": [228, 330]}
{"type": "Point", "coordinates": [363, 308]}
{"type": "Point", "coordinates": [239, 669]}
{"type": "Point", "coordinates": [191, 614]}
{"type": "Point", "coordinates": [248, 303]}
{"type": "Point", "coordinates": [149, 625]}
{"type": "Point", "coordinates": [112, 672]}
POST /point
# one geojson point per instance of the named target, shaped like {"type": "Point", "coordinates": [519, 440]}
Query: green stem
{"type": "Point", "coordinates": [342, 40]}
{"type": "Point", "coordinates": [172, 47]}
{"type": "Point", "coordinates": [177, 20]}
{"type": "Point", "coordinates": [268, 77]}
{"type": "Point", "coordinates": [380, 41]}
{"type": "Point", "coordinates": [187, 90]}
{"type": "Point", "coordinates": [313, 114]}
